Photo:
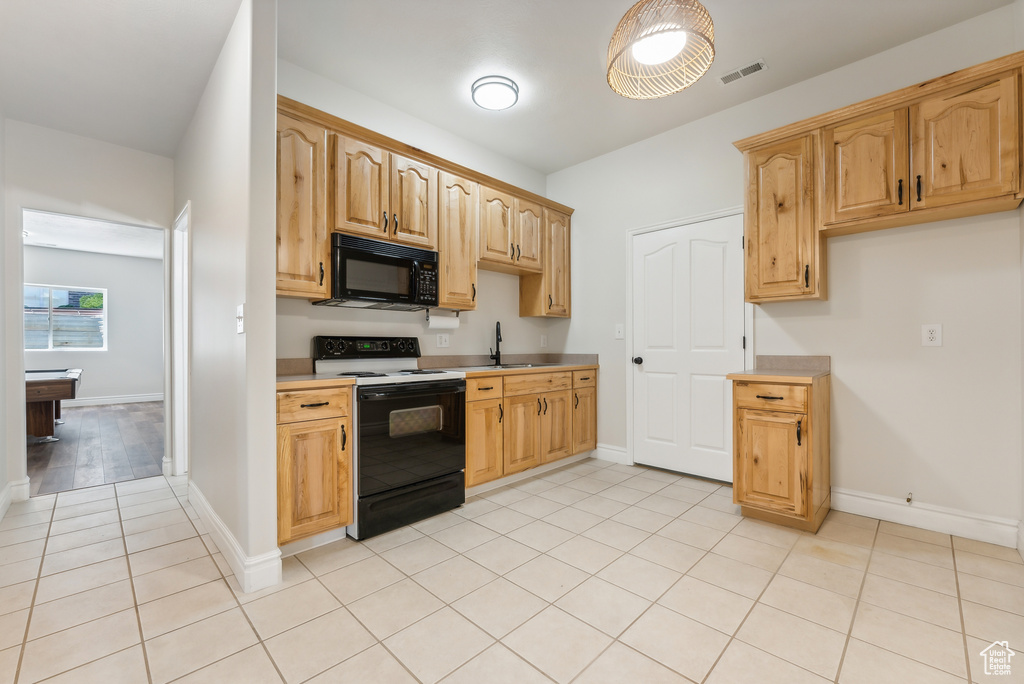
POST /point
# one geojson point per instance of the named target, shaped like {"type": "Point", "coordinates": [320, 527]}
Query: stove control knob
{"type": "Point", "coordinates": [329, 346]}
{"type": "Point", "coordinates": [384, 346]}
{"type": "Point", "coordinates": [401, 345]}
{"type": "Point", "coordinates": [341, 346]}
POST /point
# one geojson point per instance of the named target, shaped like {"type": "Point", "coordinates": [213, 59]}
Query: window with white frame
{"type": "Point", "coordinates": [65, 317]}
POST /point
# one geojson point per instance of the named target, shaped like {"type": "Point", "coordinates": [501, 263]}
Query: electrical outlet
{"type": "Point", "coordinates": [931, 335]}
{"type": "Point", "coordinates": [442, 340]}
{"type": "Point", "coordinates": [620, 331]}
{"type": "Point", "coordinates": [543, 340]}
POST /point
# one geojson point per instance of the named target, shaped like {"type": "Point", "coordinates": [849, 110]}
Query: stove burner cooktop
{"type": "Point", "coordinates": [361, 374]}
{"type": "Point", "coordinates": [420, 371]}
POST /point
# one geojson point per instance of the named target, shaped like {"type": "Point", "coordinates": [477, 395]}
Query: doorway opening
{"type": "Point", "coordinates": [94, 301]}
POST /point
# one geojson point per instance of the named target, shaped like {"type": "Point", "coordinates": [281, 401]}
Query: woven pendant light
{"type": "Point", "coordinates": [660, 25]}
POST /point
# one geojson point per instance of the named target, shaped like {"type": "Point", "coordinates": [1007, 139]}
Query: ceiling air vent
{"type": "Point", "coordinates": [743, 71]}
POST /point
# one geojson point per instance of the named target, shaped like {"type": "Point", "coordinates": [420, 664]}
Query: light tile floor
{"type": "Point", "coordinates": [594, 573]}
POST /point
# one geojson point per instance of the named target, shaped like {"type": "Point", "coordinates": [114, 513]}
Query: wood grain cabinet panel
{"type": "Point", "coordinates": [781, 260]}
{"type": "Point", "coordinates": [584, 419]}
{"type": "Point", "coordinates": [497, 237]}
{"type": "Point", "coordinates": [363, 197]}
{"type": "Point", "coordinates": [484, 441]}
{"type": "Point", "coordinates": [556, 425]}
{"type": "Point", "coordinates": [965, 143]}
{"type": "Point", "coordinates": [529, 217]}
{"type": "Point", "coordinates": [548, 293]}
{"type": "Point", "coordinates": [302, 236]}
{"type": "Point", "coordinates": [414, 200]}
{"type": "Point", "coordinates": [522, 432]}
{"type": "Point", "coordinates": [314, 490]}
{"type": "Point", "coordinates": [458, 234]}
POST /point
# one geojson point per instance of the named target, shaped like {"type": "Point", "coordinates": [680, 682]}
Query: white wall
{"type": "Point", "coordinates": [498, 293]}
{"type": "Point", "coordinates": [6, 455]}
{"type": "Point", "coordinates": [49, 170]}
{"type": "Point", "coordinates": [943, 423]}
{"type": "Point", "coordinates": [225, 165]}
{"type": "Point", "coordinates": [133, 362]}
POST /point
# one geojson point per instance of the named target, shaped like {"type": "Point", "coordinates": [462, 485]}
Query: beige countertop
{"type": "Point", "coordinates": [300, 382]}
{"type": "Point", "coordinates": [791, 376]}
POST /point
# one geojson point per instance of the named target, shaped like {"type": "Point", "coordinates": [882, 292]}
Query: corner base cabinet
{"type": "Point", "coordinates": [781, 447]}
{"type": "Point", "coordinates": [314, 461]}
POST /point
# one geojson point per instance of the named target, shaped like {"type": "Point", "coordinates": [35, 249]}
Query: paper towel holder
{"type": "Point", "coordinates": [457, 312]}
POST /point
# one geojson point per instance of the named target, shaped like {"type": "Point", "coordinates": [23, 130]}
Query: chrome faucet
{"type": "Point", "coordinates": [496, 352]}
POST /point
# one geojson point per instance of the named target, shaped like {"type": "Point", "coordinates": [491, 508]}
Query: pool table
{"type": "Point", "coordinates": [44, 390]}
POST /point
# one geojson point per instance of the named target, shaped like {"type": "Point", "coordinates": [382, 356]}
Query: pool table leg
{"type": "Point", "coordinates": [39, 420]}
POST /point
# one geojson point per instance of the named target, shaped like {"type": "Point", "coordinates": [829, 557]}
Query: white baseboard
{"type": "Point", "coordinates": [1020, 537]}
{"type": "Point", "coordinates": [252, 572]}
{"type": "Point", "coordinates": [5, 500]}
{"type": "Point", "coordinates": [312, 542]}
{"type": "Point", "coordinates": [615, 454]}
{"type": "Point", "coordinates": [986, 528]}
{"type": "Point", "coordinates": [117, 399]}
{"type": "Point", "coordinates": [20, 490]}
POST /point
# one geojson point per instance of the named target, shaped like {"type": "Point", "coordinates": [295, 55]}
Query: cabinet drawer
{"type": "Point", "coordinates": [313, 404]}
{"type": "Point", "coordinates": [770, 396]}
{"type": "Point", "coordinates": [587, 378]}
{"type": "Point", "coordinates": [483, 388]}
{"type": "Point", "coordinates": [538, 382]}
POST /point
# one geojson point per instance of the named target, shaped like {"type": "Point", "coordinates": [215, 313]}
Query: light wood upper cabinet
{"type": "Point", "coordinates": [363, 177]}
{"type": "Point", "coordinates": [413, 203]}
{"type": "Point", "coordinates": [458, 235]}
{"type": "Point", "coordinates": [548, 293]}
{"type": "Point", "coordinates": [511, 232]}
{"type": "Point", "coordinates": [497, 239]}
{"type": "Point", "coordinates": [779, 222]}
{"type": "Point", "coordinates": [867, 167]}
{"type": "Point", "coordinates": [302, 237]}
{"type": "Point", "coordinates": [965, 143]}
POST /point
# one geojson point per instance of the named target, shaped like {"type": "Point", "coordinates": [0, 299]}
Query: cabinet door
{"type": "Point", "coordinates": [522, 432]}
{"type": "Point", "coordinates": [314, 477]}
{"type": "Point", "coordinates": [497, 243]}
{"type": "Point", "coordinates": [458, 231]}
{"type": "Point", "coordinates": [555, 425]}
{"type": "Point", "coordinates": [965, 143]}
{"type": "Point", "coordinates": [780, 220]}
{"type": "Point", "coordinates": [413, 203]}
{"type": "Point", "coordinates": [867, 167]}
{"type": "Point", "coordinates": [556, 263]}
{"type": "Point", "coordinates": [363, 187]}
{"type": "Point", "coordinates": [302, 239]}
{"type": "Point", "coordinates": [529, 235]}
{"type": "Point", "coordinates": [484, 441]}
{"type": "Point", "coordinates": [584, 419]}
{"type": "Point", "coordinates": [771, 461]}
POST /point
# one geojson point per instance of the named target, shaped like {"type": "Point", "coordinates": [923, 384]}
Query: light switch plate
{"type": "Point", "coordinates": [620, 331]}
{"type": "Point", "coordinates": [240, 319]}
{"type": "Point", "coordinates": [442, 340]}
{"type": "Point", "coordinates": [543, 340]}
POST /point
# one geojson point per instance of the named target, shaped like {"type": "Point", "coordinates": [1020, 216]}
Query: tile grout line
{"type": "Point", "coordinates": [856, 605]}
{"type": "Point", "coordinates": [131, 583]}
{"type": "Point", "coordinates": [960, 609]}
{"type": "Point", "coordinates": [35, 592]}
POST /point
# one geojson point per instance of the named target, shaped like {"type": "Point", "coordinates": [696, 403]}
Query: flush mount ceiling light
{"type": "Point", "coordinates": [659, 48]}
{"type": "Point", "coordinates": [495, 92]}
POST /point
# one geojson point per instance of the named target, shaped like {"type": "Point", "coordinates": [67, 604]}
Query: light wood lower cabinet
{"type": "Point", "coordinates": [314, 464]}
{"type": "Point", "coordinates": [534, 423]}
{"type": "Point", "coordinates": [781, 470]}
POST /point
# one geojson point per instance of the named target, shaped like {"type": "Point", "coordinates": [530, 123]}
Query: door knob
{"type": "Point", "coordinates": [638, 360]}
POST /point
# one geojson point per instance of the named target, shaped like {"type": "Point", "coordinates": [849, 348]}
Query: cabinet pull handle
{"type": "Point", "coordinates": [395, 216]}
{"type": "Point", "coordinates": [511, 251]}
{"type": "Point", "coordinates": [344, 437]}
{"type": "Point", "coordinates": [899, 191]}
{"type": "Point", "coordinates": [799, 424]}
{"type": "Point", "coordinates": [549, 301]}
{"type": "Point", "coordinates": [501, 413]}
{"type": "Point", "coordinates": [385, 222]}
{"type": "Point", "coordinates": [322, 403]}
{"type": "Point", "coordinates": [519, 253]}
{"type": "Point", "coordinates": [484, 389]}
{"type": "Point", "coordinates": [586, 378]}
{"type": "Point", "coordinates": [474, 292]}
{"type": "Point", "coordinates": [545, 406]}
{"type": "Point", "coordinates": [807, 275]}
{"type": "Point", "coordinates": [577, 405]}
{"type": "Point", "coordinates": [919, 188]}
{"type": "Point", "coordinates": [768, 397]}
{"type": "Point", "coordinates": [321, 273]}
{"type": "Point", "coordinates": [538, 406]}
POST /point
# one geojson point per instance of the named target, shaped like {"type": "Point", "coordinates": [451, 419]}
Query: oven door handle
{"type": "Point", "coordinates": [412, 390]}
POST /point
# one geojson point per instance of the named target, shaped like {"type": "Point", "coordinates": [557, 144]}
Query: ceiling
{"type": "Point", "coordinates": [131, 71]}
{"type": "Point", "coordinates": [59, 231]}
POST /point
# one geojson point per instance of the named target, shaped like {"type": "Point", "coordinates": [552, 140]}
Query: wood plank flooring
{"type": "Point", "coordinates": [99, 445]}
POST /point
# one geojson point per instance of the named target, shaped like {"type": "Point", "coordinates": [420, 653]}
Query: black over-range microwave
{"type": "Point", "coordinates": [371, 274]}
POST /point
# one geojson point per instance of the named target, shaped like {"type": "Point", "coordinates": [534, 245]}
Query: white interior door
{"type": "Point", "coordinates": [688, 332]}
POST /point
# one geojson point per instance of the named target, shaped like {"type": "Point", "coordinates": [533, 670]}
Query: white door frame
{"type": "Point", "coordinates": [178, 342]}
{"type": "Point", "coordinates": [748, 312]}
